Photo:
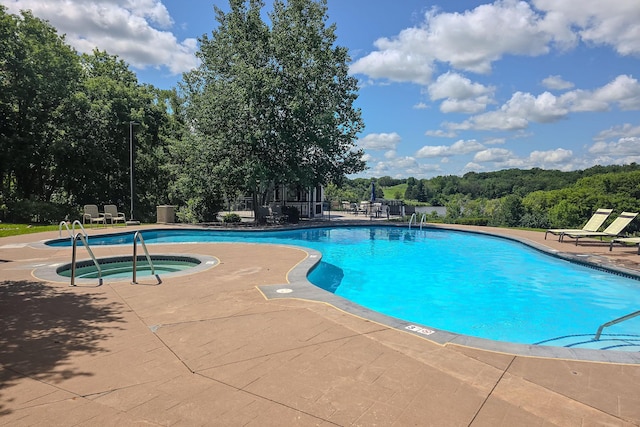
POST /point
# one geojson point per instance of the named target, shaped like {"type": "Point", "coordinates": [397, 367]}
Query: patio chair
{"type": "Point", "coordinates": [613, 230]}
{"type": "Point", "coordinates": [594, 224]}
{"type": "Point", "coordinates": [276, 215]}
{"type": "Point", "coordinates": [92, 216]}
{"type": "Point", "coordinates": [112, 215]}
{"type": "Point", "coordinates": [634, 240]}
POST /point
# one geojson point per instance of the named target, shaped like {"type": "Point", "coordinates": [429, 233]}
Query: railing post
{"type": "Point", "coordinates": [615, 321]}
{"type": "Point", "coordinates": [134, 260]}
{"type": "Point", "coordinates": [138, 236]}
{"type": "Point", "coordinates": [73, 258]}
{"type": "Point", "coordinates": [73, 261]}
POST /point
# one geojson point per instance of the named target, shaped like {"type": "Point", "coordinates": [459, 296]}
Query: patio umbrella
{"type": "Point", "coordinates": [373, 191]}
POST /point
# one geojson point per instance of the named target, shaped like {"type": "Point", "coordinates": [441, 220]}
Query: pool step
{"type": "Point", "coordinates": [619, 342]}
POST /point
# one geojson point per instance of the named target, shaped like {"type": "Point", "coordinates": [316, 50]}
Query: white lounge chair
{"type": "Point", "coordinates": [92, 215]}
{"type": "Point", "coordinates": [594, 224]}
{"type": "Point", "coordinates": [634, 240]}
{"type": "Point", "coordinates": [112, 215]}
{"type": "Point", "coordinates": [613, 230]}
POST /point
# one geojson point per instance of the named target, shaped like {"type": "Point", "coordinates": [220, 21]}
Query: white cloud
{"type": "Point", "coordinates": [492, 120]}
{"type": "Point", "coordinates": [614, 23]}
{"type": "Point", "coordinates": [468, 41]}
{"type": "Point", "coordinates": [543, 158]}
{"type": "Point", "coordinates": [474, 39]}
{"type": "Point", "coordinates": [626, 130]}
{"type": "Point", "coordinates": [138, 31]}
{"type": "Point", "coordinates": [460, 94]}
{"type": "Point", "coordinates": [628, 146]}
{"type": "Point", "coordinates": [458, 147]}
{"type": "Point", "coordinates": [391, 154]}
{"type": "Point", "coordinates": [556, 83]}
{"type": "Point", "coordinates": [499, 158]}
{"type": "Point", "coordinates": [473, 167]}
{"type": "Point", "coordinates": [623, 90]}
{"type": "Point", "coordinates": [440, 133]}
{"type": "Point", "coordinates": [380, 141]}
{"type": "Point", "coordinates": [454, 85]}
{"type": "Point", "coordinates": [523, 108]}
{"type": "Point", "coordinates": [399, 60]}
{"type": "Point", "coordinates": [493, 155]}
{"type": "Point", "coordinates": [403, 167]}
{"type": "Point", "coordinates": [420, 106]}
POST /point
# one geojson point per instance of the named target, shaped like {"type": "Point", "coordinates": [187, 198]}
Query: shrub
{"type": "Point", "coordinates": [231, 218]}
{"type": "Point", "coordinates": [471, 221]}
{"type": "Point", "coordinates": [33, 211]}
{"type": "Point", "coordinates": [292, 213]}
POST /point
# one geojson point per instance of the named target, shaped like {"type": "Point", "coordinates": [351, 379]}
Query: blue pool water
{"type": "Point", "coordinates": [472, 284]}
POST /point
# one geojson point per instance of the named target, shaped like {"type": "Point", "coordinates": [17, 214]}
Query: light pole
{"type": "Point", "coordinates": [131, 169]}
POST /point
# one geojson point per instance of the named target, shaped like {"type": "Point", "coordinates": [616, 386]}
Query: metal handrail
{"type": "Point", "coordinates": [614, 321]}
{"type": "Point", "coordinates": [138, 236]}
{"type": "Point", "coordinates": [65, 226]}
{"type": "Point", "coordinates": [73, 228]}
{"type": "Point", "coordinates": [72, 231]}
{"type": "Point", "coordinates": [81, 237]}
{"type": "Point", "coordinates": [424, 216]}
{"type": "Point", "coordinates": [412, 219]}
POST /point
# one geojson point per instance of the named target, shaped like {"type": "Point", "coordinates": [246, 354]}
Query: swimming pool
{"type": "Point", "coordinates": [467, 283]}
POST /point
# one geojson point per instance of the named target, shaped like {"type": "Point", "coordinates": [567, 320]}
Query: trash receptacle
{"type": "Point", "coordinates": [166, 214]}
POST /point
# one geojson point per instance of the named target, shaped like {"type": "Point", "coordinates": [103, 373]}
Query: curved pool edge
{"type": "Point", "coordinates": [299, 287]}
{"type": "Point", "coordinates": [594, 261]}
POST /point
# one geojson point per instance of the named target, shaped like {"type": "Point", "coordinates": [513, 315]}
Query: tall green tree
{"type": "Point", "coordinates": [39, 74]}
{"type": "Point", "coordinates": [272, 105]}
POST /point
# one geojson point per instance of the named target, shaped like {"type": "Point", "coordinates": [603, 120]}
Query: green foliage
{"type": "Point", "coordinates": [472, 221]}
{"type": "Point", "coordinates": [231, 218]}
{"type": "Point", "coordinates": [273, 105]}
{"type": "Point", "coordinates": [38, 212]}
{"type": "Point", "coordinates": [292, 213]}
{"type": "Point", "coordinates": [65, 125]}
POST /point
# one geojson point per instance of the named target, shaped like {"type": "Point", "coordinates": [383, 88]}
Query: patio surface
{"type": "Point", "coordinates": [211, 349]}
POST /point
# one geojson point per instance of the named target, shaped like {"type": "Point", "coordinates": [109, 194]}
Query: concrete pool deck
{"type": "Point", "coordinates": [210, 349]}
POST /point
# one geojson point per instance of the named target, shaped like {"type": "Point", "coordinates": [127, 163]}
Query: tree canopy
{"type": "Point", "coordinates": [271, 104]}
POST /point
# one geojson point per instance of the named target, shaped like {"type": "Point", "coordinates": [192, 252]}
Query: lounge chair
{"type": "Point", "coordinates": [613, 230]}
{"type": "Point", "coordinates": [634, 240]}
{"type": "Point", "coordinates": [91, 215]}
{"type": "Point", "coordinates": [594, 224]}
{"type": "Point", "coordinates": [112, 215]}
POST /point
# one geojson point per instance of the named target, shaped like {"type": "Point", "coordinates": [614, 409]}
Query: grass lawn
{"type": "Point", "coordinates": [390, 192]}
{"type": "Point", "coordinates": [7, 230]}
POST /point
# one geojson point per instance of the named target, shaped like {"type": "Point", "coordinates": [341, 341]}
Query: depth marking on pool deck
{"type": "Point", "coordinates": [419, 329]}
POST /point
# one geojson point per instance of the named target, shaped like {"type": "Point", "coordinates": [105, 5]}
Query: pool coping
{"type": "Point", "coordinates": [49, 272]}
{"type": "Point", "coordinates": [299, 287]}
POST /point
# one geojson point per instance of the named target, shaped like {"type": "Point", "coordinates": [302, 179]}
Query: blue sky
{"type": "Point", "coordinates": [446, 87]}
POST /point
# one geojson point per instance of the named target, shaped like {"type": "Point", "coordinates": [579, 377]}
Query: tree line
{"type": "Point", "coordinates": [532, 198]}
{"type": "Point", "coordinates": [271, 104]}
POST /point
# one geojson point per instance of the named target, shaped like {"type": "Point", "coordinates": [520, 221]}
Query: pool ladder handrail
{"type": "Point", "coordinates": [72, 232]}
{"type": "Point", "coordinates": [614, 321]}
{"type": "Point", "coordinates": [413, 219]}
{"type": "Point", "coordinates": [81, 237]}
{"type": "Point", "coordinates": [138, 236]}
{"type": "Point", "coordinates": [422, 220]}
